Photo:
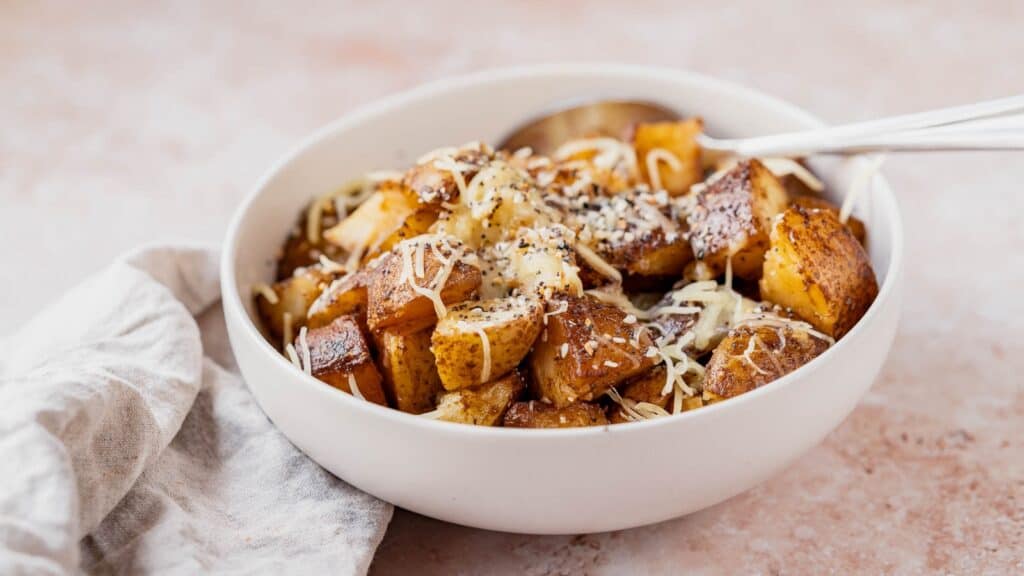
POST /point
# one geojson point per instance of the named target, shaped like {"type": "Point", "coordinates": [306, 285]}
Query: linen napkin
{"type": "Point", "coordinates": [130, 445]}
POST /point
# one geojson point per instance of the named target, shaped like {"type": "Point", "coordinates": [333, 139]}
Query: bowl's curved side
{"type": "Point", "coordinates": [537, 481]}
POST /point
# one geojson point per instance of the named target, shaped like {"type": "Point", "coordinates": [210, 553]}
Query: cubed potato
{"type": "Point", "coordinates": [411, 382]}
{"type": "Point", "coordinates": [585, 350]}
{"type": "Point", "coordinates": [635, 232]}
{"type": "Point", "coordinates": [647, 388]}
{"type": "Point", "coordinates": [375, 220]}
{"type": "Point", "coordinates": [464, 358]}
{"type": "Point", "coordinates": [818, 203]}
{"type": "Point", "coordinates": [340, 356]}
{"type": "Point", "coordinates": [752, 356]}
{"type": "Point", "coordinates": [419, 222]}
{"type": "Point", "coordinates": [652, 253]}
{"type": "Point", "coordinates": [433, 183]}
{"type": "Point", "coordinates": [345, 295]}
{"type": "Point", "coordinates": [535, 414]}
{"type": "Point", "coordinates": [818, 269]}
{"type": "Point", "coordinates": [678, 139]}
{"type": "Point", "coordinates": [294, 297]}
{"type": "Point", "coordinates": [391, 298]}
{"type": "Point", "coordinates": [483, 405]}
{"type": "Point", "coordinates": [732, 218]}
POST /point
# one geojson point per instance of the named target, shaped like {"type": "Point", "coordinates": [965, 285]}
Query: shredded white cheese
{"type": "Point", "coordinates": [660, 155]}
{"type": "Point", "coordinates": [267, 292]}
{"type": "Point", "coordinates": [598, 263]}
{"type": "Point", "coordinates": [354, 387]}
{"type": "Point", "coordinates": [307, 363]}
{"type": "Point", "coordinates": [485, 347]}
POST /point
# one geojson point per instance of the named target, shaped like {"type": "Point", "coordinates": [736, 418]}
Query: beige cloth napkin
{"type": "Point", "coordinates": [130, 445]}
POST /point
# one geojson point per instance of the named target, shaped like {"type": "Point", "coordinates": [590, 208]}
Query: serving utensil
{"type": "Point", "coordinates": [990, 125]}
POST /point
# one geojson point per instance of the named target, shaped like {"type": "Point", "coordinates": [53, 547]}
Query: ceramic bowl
{"type": "Point", "coordinates": [544, 481]}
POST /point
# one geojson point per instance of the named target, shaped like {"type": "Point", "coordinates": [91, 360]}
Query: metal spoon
{"type": "Point", "coordinates": [991, 125]}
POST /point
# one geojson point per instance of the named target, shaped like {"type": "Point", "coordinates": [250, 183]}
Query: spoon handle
{"type": "Point", "coordinates": [992, 125]}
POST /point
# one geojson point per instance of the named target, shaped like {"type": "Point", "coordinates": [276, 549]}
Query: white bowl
{"type": "Point", "coordinates": [543, 481]}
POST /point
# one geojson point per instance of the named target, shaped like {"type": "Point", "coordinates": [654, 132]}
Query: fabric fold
{"type": "Point", "coordinates": [127, 448]}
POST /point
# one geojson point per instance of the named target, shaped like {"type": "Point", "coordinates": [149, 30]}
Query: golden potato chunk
{"type": "Point", "coordinates": [375, 220]}
{"type": "Point", "coordinates": [294, 297]}
{"type": "Point", "coordinates": [392, 300]}
{"type": "Point", "coordinates": [340, 356]}
{"type": "Point", "coordinates": [410, 378]}
{"type": "Point", "coordinates": [646, 388]}
{"type": "Point", "coordinates": [817, 269]}
{"type": "Point", "coordinates": [345, 295]}
{"type": "Point", "coordinates": [535, 414]}
{"type": "Point", "coordinates": [751, 357]}
{"type": "Point", "coordinates": [732, 218]}
{"type": "Point", "coordinates": [585, 350]}
{"type": "Point", "coordinates": [480, 340]}
{"type": "Point", "coordinates": [683, 167]}
{"type": "Point", "coordinates": [483, 405]}
{"type": "Point", "coordinates": [817, 203]}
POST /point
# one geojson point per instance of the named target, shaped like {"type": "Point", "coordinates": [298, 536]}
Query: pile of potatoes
{"type": "Point", "coordinates": [424, 318]}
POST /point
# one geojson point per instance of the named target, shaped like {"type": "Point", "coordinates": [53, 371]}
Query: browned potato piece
{"type": "Point", "coordinates": [751, 357]}
{"type": "Point", "coordinates": [419, 222]}
{"type": "Point", "coordinates": [346, 295]}
{"type": "Point", "coordinates": [646, 387]}
{"type": "Point", "coordinates": [817, 269]}
{"type": "Point", "coordinates": [677, 139]}
{"type": "Point", "coordinates": [585, 350]}
{"type": "Point", "coordinates": [394, 303]}
{"type": "Point", "coordinates": [732, 217]}
{"type": "Point", "coordinates": [376, 219]}
{"type": "Point", "coordinates": [294, 297]}
{"type": "Point", "coordinates": [410, 377]}
{"type": "Point", "coordinates": [339, 356]}
{"type": "Point", "coordinates": [651, 254]}
{"type": "Point", "coordinates": [510, 326]}
{"type": "Point", "coordinates": [483, 405]}
{"type": "Point", "coordinates": [535, 414]}
{"type": "Point", "coordinates": [816, 203]}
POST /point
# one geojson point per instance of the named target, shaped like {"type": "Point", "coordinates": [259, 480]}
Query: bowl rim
{"type": "Point", "coordinates": [235, 311]}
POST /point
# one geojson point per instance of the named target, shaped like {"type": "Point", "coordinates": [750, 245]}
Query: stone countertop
{"type": "Point", "coordinates": [127, 123]}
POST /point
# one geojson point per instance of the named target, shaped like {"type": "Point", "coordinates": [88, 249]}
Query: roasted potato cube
{"type": "Point", "coordinates": [679, 139]}
{"type": "Point", "coordinates": [411, 382]}
{"type": "Point", "coordinates": [751, 357]}
{"type": "Point", "coordinates": [392, 300]}
{"type": "Point", "coordinates": [433, 184]}
{"type": "Point", "coordinates": [647, 388]}
{"type": "Point", "coordinates": [345, 295]}
{"type": "Point", "coordinates": [817, 269]}
{"type": "Point", "coordinates": [732, 218]}
{"type": "Point", "coordinates": [419, 222]}
{"type": "Point", "coordinates": [294, 297]}
{"type": "Point", "coordinates": [509, 327]}
{"type": "Point", "coordinates": [340, 356]}
{"type": "Point", "coordinates": [817, 203]}
{"type": "Point", "coordinates": [375, 220]}
{"type": "Point", "coordinates": [535, 414]}
{"type": "Point", "coordinates": [585, 350]}
{"type": "Point", "coordinates": [483, 405]}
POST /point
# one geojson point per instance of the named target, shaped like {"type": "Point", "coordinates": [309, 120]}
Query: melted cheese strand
{"type": "Point", "coordinates": [598, 263]}
{"type": "Point", "coordinates": [307, 362]}
{"type": "Point", "coordinates": [287, 329]}
{"type": "Point", "coordinates": [660, 155]}
{"type": "Point", "coordinates": [354, 388]}
{"type": "Point", "coordinates": [293, 356]}
{"type": "Point", "coordinates": [267, 292]}
{"type": "Point", "coordinates": [485, 345]}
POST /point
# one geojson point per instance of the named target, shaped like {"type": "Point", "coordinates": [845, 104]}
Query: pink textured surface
{"type": "Point", "coordinates": [129, 123]}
